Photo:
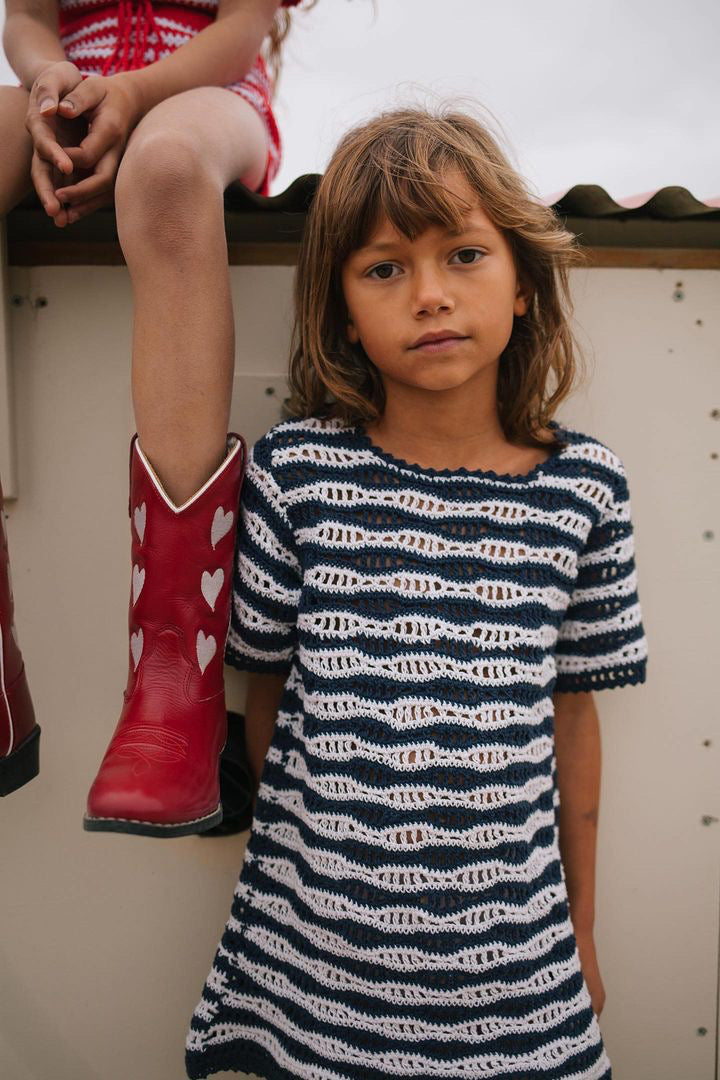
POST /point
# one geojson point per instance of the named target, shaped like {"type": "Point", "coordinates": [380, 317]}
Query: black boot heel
{"type": "Point", "coordinates": [236, 782]}
{"type": "Point", "coordinates": [22, 765]}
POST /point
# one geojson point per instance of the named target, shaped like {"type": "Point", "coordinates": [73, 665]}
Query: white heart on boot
{"type": "Point", "coordinates": [211, 584]}
{"type": "Point", "coordinates": [221, 525]}
{"type": "Point", "coordinates": [206, 649]}
{"type": "Point", "coordinates": [138, 580]}
{"type": "Point", "coordinates": [136, 646]}
{"type": "Point", "coordinates": [139, 518]}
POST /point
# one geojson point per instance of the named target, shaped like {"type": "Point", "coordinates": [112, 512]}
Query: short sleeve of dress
{"type": "Point", "coordinates": [267, 576]}
{"type": "Point", "coordinates": [602, 642]}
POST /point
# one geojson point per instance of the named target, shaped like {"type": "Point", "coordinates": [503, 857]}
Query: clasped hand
{"type": "Point", "coordinates": [79, 129]}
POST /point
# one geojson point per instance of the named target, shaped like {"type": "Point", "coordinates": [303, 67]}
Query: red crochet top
{"type": "Point", "coordinates": [102, 38]}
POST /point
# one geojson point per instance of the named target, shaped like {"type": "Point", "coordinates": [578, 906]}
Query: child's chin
{"type": "Point", "coordinates": [449, 377]}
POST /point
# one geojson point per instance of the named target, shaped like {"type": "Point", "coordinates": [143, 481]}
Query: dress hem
{"type": "Point", "coordinates": [260, 1063]}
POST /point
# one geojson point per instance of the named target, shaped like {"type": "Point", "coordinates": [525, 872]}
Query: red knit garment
{"type": "Point", "coordinates": [103, 38]}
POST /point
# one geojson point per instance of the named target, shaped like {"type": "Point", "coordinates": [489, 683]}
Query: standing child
{"type": "Point", "coordinates": [433, 576]}
{"type": "Point", "coordinates": [157, 108]}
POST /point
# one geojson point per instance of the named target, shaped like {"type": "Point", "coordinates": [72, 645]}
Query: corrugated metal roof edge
{"type": "Point", "coordinates": [672, 203]}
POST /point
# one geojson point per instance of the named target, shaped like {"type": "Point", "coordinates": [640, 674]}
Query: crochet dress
{"type": "Point", "coordinates": [102, 38]}
{"type": "Point", "coordinates": [402, 908]}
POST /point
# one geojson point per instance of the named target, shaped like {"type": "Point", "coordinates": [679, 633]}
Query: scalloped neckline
{"type": "Point", "coordinates": [490, 474]}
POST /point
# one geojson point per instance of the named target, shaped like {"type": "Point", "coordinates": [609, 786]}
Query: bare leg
{"type": "Point", "coordinates": [183, 340]}
{"type": "Point", "coordinates": [15, 182]}
{"type": "Point", "coordinates": [169, 203]}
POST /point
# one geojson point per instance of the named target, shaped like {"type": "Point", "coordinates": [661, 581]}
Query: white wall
{"type": "Point", "coordinates": [107, 939]}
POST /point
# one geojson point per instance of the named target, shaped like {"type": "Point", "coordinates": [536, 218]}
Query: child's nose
{"type": "Point", "coordinates": [431, 292]}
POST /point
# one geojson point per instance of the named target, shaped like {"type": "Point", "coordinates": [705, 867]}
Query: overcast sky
{"type": "Point", "coordinates": [622, 93]}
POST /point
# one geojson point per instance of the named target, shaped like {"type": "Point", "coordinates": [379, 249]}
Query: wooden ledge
{"type": "Point", "coordinates": [267, 232]}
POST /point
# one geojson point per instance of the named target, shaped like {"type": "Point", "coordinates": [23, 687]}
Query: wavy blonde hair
{"type": "Point", "coordinates": [392, 166]}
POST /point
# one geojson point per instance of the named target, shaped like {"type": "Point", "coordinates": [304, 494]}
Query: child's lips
{"type": "Point", "coordinates": [440, 345]}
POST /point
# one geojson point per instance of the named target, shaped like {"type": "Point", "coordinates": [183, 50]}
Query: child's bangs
{"type": "Point", "coordinates": [410, 192]}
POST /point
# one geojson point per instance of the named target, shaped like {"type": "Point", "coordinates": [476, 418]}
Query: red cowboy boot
{"type": "Point", "coordinates": [19, 734]}
{"type": "Point", "coordinates": [159, 776]}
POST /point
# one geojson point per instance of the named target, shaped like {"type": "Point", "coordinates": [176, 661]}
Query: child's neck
{"type": "Point", "coordinates": [463, 436]}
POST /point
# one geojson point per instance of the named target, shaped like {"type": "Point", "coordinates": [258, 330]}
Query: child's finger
{"type": "Point", "coordinates": [53, 82]}
{"type": "Point", "coordinates": [42, 177]}
{"type": "Point", "coordinates": [69, 215]}
{"type": "Point", "coordinates": [75, 153]}
{"type": "Point", "coordinates": [85, 98]}
{"type": "Point", "coordinates": [88, 188]}
{"type": "Point", "coordinates": [41, 126]}
{"type": "Point", "coordinates": [107, 135]}
{"type": "Point", "coordinates": [86, 95]}
{"type": "Point", "coordinates": [60, 219]}
{"type": "Point", "coordinates": [101, 181]}
{"type": "Point", "coordinates": [82, 210]}
{"type": "Point", "coordinates": [46, 144]}
{"type": "Point", "coordinates": [45, 93]}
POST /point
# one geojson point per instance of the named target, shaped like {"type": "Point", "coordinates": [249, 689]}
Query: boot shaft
{"type": "Point", "coordinates": [11, 657]}
{"type": "Point", "coordinates": [181, 580]}
{"type": "Point", "coordinates": [17, 718]}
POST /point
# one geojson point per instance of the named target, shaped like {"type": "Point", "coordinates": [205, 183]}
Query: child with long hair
{"type": "Point", "coordinates": [157, 107]}
{"type": "Point", "coordinates": [433, 577]}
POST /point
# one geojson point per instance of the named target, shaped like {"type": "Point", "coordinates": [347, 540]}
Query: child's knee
{"type": "Point", "coordinates": [164, 194]}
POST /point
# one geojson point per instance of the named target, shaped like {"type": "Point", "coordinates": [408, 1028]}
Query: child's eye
{"type": "Point", "coordinates": [469, 251]}
{"type": "Point", "coordinates": [391, 266]}
{"type": "Point", "coordinates": [381, 266]}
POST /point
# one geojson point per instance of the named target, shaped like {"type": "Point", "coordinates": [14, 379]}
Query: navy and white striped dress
{"type": "Point", "coordinates": [402, 908]}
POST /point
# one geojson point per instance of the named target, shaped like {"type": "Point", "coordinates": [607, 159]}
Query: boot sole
{"type": "Point", "coordinates": [22, 765]}
{"type": "Point", "coordinates": [152, 828]}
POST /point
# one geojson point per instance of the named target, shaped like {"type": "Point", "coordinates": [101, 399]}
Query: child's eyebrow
{"type": "Point", "coordinates": [389, 245]}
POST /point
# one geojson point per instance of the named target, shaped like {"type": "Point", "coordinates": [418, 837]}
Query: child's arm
{"type": "Point", "coordinates": [577, 753]}
{"type": "Point", "coordinates": [220, 53]}
{"type": "Point", "coordinates": [267, 586]}
{"type": "Point", "coordinates": [578, 757]}
{"type": "Point", "coordinates": [261, 708]}
{"type": "Point", "coordinates": [31, 38]}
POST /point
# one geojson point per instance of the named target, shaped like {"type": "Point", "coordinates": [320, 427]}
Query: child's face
{"type": "Point", "coordinates": [467, 284]}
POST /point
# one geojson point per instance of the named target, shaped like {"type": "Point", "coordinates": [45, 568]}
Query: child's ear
{"type": "Point", "coordinates": [523, 298]}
